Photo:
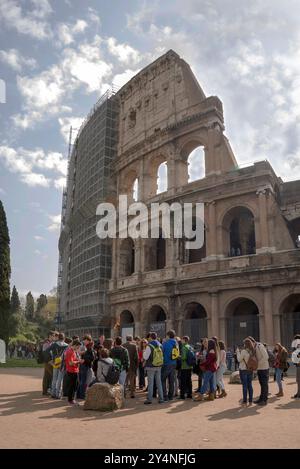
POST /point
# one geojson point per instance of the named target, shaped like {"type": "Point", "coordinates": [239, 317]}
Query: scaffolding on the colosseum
{"type": "Point", "coordinates": [78, 303]}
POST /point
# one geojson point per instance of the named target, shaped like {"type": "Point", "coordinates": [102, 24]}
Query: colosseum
{"type": "Point", "coordinates": [169, 146]}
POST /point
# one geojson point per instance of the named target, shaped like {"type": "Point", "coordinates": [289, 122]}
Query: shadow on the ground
{"type": "Point", "coordinates": [239, 412]}
{"type": "Point", "coordinates": [23, 402]}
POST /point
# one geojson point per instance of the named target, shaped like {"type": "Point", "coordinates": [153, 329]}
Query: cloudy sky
{"type": "Point", "coordinates": [58, 56]}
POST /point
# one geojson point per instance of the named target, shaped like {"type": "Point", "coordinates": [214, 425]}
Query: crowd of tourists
{"type": "Point", "coordinates": [161, 368]}
{"type": "Point", "coordinates": [21, 350]}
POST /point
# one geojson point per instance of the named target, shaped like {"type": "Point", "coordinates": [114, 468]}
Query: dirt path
{"type": "Point", "coordinates": [29, 420]}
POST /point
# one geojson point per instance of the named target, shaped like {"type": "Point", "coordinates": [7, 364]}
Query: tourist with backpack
{"type": "Point", "coordinates": [56, 351]}
{"type": "Point", "coordinates": [209, 367]}
{"type": "Point", "coordinates": [246, 373]}
{"type": "Point", "coordinates": [281, 356]}
{"type": "Point", "coordinates": [221, 370]}
{"type": "Point", "coordinates": [168, 371]}
{"type": "Point", "coordinates": [188, 360]}
{"type": "Point", "coordinates": [153, 356]}
{"type": "Point", "coordinates": [104, 364]}
{"type": "Point", "coordinates": [262, 366]}
{"type": "Point", "coordinates": [120, 356]}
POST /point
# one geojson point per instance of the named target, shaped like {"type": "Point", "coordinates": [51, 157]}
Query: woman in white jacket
{"type": "Point", "coordinates": [104, 363]}
{"type": "Point", "coordinates": [246, 375]}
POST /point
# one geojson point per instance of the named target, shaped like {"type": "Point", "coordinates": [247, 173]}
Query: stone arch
{"type": "Point", "coordinates": [195, 321]}
{"type": "Point", "coordinates": [242, 319]}
{"type": "Point", "coordinates": [289, 311]}
{"type": "Point", "coordinates": [127, 182]}
{"type": "Point", "coordinates": [238, 231]}
{"type": "Point", "coordinates": [157, 318]}
{"type": "Point", "coordinates": [127, 257]}
{"type": "Point", "coordinates": [152, 173]}
{"type": "Point", "coordinates": [190, 256]}
{"type": "Point", "coordinates": [127, 323]}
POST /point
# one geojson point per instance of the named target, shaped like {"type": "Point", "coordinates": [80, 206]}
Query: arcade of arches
{"type": "Point", "coordinates": [240, 318]}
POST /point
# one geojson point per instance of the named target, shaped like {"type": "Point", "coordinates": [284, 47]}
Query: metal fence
{"type": "Point", "coordinates": [196, 329]}
{"type": "Point", "coordinates": [239, 327]}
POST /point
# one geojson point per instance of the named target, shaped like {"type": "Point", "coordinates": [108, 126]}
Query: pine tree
{"type": "Point", "coordinates": [15, 304]}
{"type": "Point", "coordinates": [4, 276]}
{"type": "Point", "coordinates": [29, 308]}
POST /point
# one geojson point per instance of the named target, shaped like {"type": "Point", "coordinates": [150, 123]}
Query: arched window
{"type": "Point", "coordinates": [162, 178]}
{"type": "Point", "coordinates": [127, 258]}
{"type": "Point", "coordinates": [135, 190]}
{"type": "Point", "coordinates": [196, 164]}
{"type": "Point", "coordinates": [242, 321]}
{"type": "Point", "coordinates": [239, 229]}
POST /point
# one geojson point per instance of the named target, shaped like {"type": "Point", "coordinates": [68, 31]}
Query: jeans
{"type": "Point", "coordinates": [83, 370]}
{"type": "Point", "coordinates": [186, 383]}
{"type": "Point", "coordinates": [209, 379]}
{"type": "Point", "coordinates": [131, 381]}
{"type": "Point", "coordinates": [263, 378]}
{"type": "Point", "coordinates": [154, 375]}
{"type": "Point", "coordinates": [60, 378]}
{"type": "Point", "coordinates": [278, 374]}
{"type": "Point", "coordinates": [229, 364]}
{"type": "Point", "coordinates": [246, 379]}
{"type": "Point", "coordinates": [219, 375]}
{"type": "Point", "coordinates": [168, 372]}
{"type": "Point", "coordinates": [54, 381]}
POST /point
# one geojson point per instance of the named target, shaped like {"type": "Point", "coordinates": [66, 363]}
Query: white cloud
{"type": "Point", "coordinates": [26, 162]}
{"type": "Point", "coordinates": [37, 252]}
{"type": "Point", "coordinates": [121, 78]}
{"type": "Point", "coordinates": [35, 179]}
{"type": "Point", "coordinates": [66, 32]}
{"type": "Point", "coordinates": [93, 16]}
{"type": "Point", "coordinates": [60, 183]}
{"type": "Point", "coordinates": [32, 23]}
{"type": "Point", "coordinates": [65, 124]}
{"type": "Point", "coordinates": [45, 93]}
{"type": "Point", "coordinates": [38, 238]}
{"type": "Point", "coordinates": [125, 53]}
{"type": "Point", "coordinates": [2, 191]}
{"type": "Point", "coordinates": [55, 222]}
{"type": "Point", "coordinates": [15, 60]}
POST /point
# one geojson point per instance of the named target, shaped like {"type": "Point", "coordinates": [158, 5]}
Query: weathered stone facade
{"type": "Point", "coordinates": [245, 281]}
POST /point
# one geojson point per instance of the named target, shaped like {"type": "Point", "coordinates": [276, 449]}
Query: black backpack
{"type": "Point", "coordinates": [40, 355]}
{"type": "Point", "coordinates": [113, 374]}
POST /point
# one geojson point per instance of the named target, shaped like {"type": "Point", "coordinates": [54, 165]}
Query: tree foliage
{"type": "Point", "coordinates": [4, 276]}
{"type": "Point", "coordinates": [29, 308]}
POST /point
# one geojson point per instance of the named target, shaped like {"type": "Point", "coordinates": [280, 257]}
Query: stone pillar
{"type": "Point", "coordinates": [138, 255]}
{"type": "Point", "coordinates": [262, 335]}
{"type": "Point", "coordinates": [214, 314]}
{"type": "Point", "coordinates": [114, 262]}
{"type": "Point", "coordinates": [222, 328]}
{"type": "Point", "coordinates": [263, 221]}
{"type": "Point", "coordinates": [269, 329]}
{"type": "Point", "coordinates": [277, 328]}
{"type": "Point", "coordinates": [211, 238]}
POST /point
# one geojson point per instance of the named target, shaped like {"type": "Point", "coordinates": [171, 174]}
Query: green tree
{"type": "Point", "coordinates": [15, 319]}
{"type": "Point", "coordinates": [29, 308]}
{"type": "Point", "coordinates": [4, 276]}
{"type": "Point", "coordinates": [15, 305]}
{"type": "Point", "coordinates": [41, 302]}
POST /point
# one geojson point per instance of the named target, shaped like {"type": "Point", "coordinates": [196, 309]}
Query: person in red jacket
{"type": "Point", "coordinates": [209, 366]}
{"type": "Point", "coordinates": [72, 362]}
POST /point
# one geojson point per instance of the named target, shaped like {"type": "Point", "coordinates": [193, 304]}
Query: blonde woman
{"type": "Point", "coordinates": [246, 375]}
{"type": "Point", "coordinates": [281, 356]}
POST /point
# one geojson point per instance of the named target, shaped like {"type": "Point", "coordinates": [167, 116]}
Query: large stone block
{"type": "Point", "coordinates": [104, 397]}
{"type": "Point", "coordinates": [235, 378]}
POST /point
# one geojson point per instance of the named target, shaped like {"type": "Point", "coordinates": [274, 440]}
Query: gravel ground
{"type": "Point", "coordinates": [30, 420]}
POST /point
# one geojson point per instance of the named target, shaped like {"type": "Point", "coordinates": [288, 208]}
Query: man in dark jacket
{"type": "Point", "coordinates": [168, 371]}
{"type": "Point", "coordinates": [120, 356]}
{"type": "Point", "coordinates": [133, 364]}
{"type": "Point", "coordinates": [87, 356]}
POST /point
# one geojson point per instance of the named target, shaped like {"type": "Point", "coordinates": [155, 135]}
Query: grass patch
{"type": "Point", "coordinates": [20, 363]}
